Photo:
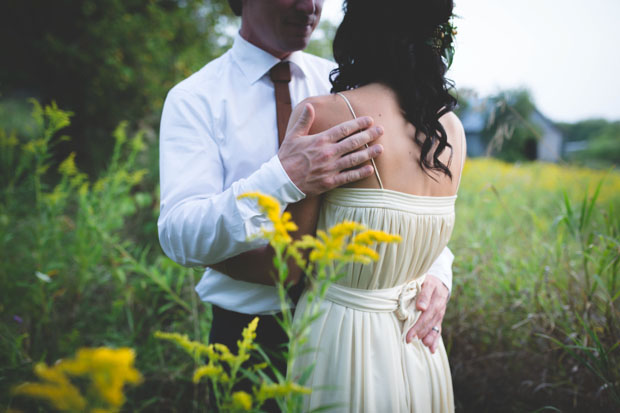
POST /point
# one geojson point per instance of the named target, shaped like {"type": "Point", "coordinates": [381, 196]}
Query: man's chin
{"type": "Point", "coordinates": [297, 43]}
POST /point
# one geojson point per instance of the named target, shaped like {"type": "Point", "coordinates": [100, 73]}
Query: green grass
{"type": "Point", "coordinates": [533, 320]}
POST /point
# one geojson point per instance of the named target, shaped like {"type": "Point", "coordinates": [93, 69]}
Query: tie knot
{"type": "Point", "coordinates": [281, 72]}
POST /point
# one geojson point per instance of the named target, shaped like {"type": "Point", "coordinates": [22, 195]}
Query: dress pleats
{"type": "Point", "coordinates": [362, 361]}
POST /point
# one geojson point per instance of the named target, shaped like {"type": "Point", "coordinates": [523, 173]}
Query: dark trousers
{"type": "Point", "coordinates": [226, 329]}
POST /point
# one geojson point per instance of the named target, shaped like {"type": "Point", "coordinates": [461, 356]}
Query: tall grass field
{"type": "Point", "coordinates": [532, 323]}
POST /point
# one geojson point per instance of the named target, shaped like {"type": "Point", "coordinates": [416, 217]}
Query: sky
{"type": "Point", "coordinates": [566, 52]}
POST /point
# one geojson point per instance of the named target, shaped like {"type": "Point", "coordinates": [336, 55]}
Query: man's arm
{"type": "Point", "coordinates": [257, 265]}
{"type": "Point", "coordinates": [442, 268]}
{"type": "Point", "coordinates": [201, 223]}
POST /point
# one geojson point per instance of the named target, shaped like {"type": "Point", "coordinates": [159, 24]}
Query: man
{"type": "Point", "coordinates": [219, 139]}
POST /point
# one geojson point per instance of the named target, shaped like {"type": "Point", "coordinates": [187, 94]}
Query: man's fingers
{"type": "Point", "coordinates": [304, 122]}
{"type": "Point", "coordinates": [425, 296]}
{"type": "Point", "coordinates": [432, 340]}
{"type": "Point", "coordinates": [346, 177]}
{"type": "Point", "coordinates": [348, 128]}
{"type": "Point", "coordinates": [422, 327]}
{"type": "Point", "coordinates": [431, 317]}
{"type": "Point", "coordinates": [359, 157]}
{"type": "Point", "coordinates": [358, 140]}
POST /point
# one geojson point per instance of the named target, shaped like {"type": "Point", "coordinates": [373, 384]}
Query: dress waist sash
{"type": "Point", "coordinates": [399, 300]}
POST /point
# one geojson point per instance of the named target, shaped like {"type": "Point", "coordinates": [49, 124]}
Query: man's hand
{"type": "Point", "coordinates": [318, 163]}
{"type": "Point", "coordinates": [432, 301]}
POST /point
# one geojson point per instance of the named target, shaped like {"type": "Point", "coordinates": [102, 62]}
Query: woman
{"type": "Point", "coordinates": [390, 67]}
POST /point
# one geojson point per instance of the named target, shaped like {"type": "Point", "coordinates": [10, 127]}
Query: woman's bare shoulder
{"type": "Point", "coordinates": [329, 110]}
{"type": "Point", "coordinates": [455, 131]}
{"type": "Point", "coordinates": [452, 124]}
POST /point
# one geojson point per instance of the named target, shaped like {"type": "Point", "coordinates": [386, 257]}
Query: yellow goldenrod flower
{"type": "Point", "coordinates": [222, 348]}
{"type": "Point", "coordinates": [106, 370]}
{"type": "Point", "coordinates": [371, 236]}
{"type": "Point", "coordinates": [121, 177]}
{"type": "Point", "coordinates": [67, 167]}
{"type": "Point", "coordinates": [193, 348]}
{"type": "Point", "coordinates": [56, 196]}
{"type": "Point", "coordinates": [137, 143]}
{"type": "Point", "coordinates": [242, 400]}
{"type": "Point", "coordinates": [246, 344]}
{"type": "Point", "coordinates": [120, 133]}
{"type": "Point", "coordinates": [78, 179]}
{"type": "Point", "coordinates": [210, 370]}
{"type": "Point", "coordinates": [282, 225]}
{"type": "Point", "coordinates": [345, 229]}
{"type": "Point", "coordinates": [83, 191]}
{"type": "Point", "coordinates": [8, 141]}
{"type": "Point", "coordinates": [260, 366]}
{"type": "Point", "coordinates": [110, 370]}
{"type": "Point", "coordinates": [34, 146]}
{"type": "Point", "coordinates": [327, 246]}
{"type": "Point", "coordinates": [307, 242]}
{"type": "Point", "coordinates": [225, 354]}
{"type": "Point", "coordinates": [136, 177]}
{"type": "Point", "coordinates": [58, 119]}
{"type": "Point", "coordinates": [270, 205]}
{"type": "Point", "coordinates": [293, 252]}
{"type": "Point", "coordinates": [63, 397]}
{"type": "Point", "coordinates": [361, 253]}
{"type": "Point", "coordinates": [100, 184]}
{"type": "Point", "coordinates": [273, 390]}
{"type": "Point", "coordinates": [249, 334]}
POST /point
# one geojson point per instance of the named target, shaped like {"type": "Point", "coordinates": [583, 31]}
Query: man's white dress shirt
{"type": "Point", "coordinates": [219, 139]}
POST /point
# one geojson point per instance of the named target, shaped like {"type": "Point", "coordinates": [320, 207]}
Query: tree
{"type": "Point", "coordinates": [601, 138]}
{"type": "Point", "coordinates": [106, 60]}
{"type": "Point", "coordinates": [509, 134]}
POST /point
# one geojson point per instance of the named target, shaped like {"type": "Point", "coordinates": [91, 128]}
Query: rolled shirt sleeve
{"type": "Point", "coordinates": [442, 268]}
{"type": "Point", "coordinates": [201, 222]}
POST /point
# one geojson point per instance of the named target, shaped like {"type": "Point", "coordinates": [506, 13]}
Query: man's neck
{"type": "Point", "coordinates": [276, 54]}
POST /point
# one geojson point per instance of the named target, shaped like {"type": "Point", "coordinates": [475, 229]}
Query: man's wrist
{"type": "Point", "coordinates": [292, 190]}
{"type": "Point", "coordinates": [443, 284]}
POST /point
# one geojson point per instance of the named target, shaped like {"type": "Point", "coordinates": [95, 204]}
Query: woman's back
{"type": "Point", "coordinates": [401, 198]}
{"type": "Point", "coordinates": [398, 165]}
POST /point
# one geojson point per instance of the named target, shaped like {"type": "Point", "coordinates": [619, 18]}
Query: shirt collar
{"type": "Point", "coordinates": [255, 62]}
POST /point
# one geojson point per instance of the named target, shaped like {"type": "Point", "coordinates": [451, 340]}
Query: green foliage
{"type": "Point", "coordinates": [584, 130]}
{"type": "Point", "coordinates": [106, 60]}
{"type": "Point", "coordinates": [71, 275]}
{"type": "Point", "coordinates": [602, 140]}
{"type": "Point", "coordinates": [322, 38]}
{"type": "Point", "coordinates": [509, 133]}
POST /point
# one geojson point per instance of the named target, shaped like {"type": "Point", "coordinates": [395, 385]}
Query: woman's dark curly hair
{"type": "Point", "coordinates": [390, 42]}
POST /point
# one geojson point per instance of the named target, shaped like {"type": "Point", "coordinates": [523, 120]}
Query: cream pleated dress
{"type": "Point", "coordinates": [362, 361]}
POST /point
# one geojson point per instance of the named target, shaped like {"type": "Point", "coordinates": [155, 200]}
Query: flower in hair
{"type": "Point", "coordinates": [442, 40]}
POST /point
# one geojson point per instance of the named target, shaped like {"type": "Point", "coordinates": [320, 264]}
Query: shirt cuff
{"type": "Point", "coordinates": [442, 268]}
{"type": "Point", "coordinates": [292, 191]}
{"type": "Point", "coordinates": [270, 179]}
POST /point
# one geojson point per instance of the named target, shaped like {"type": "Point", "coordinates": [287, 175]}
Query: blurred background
{"type": "Point", "coordinates": [532, 324]}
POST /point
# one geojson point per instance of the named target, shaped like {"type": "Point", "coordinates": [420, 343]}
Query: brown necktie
{"type": "Point", "coordinates": [280, 74]}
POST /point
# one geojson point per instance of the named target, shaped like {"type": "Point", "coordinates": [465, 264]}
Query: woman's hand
{"type": "Point", "coordinates": [432, 301]}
